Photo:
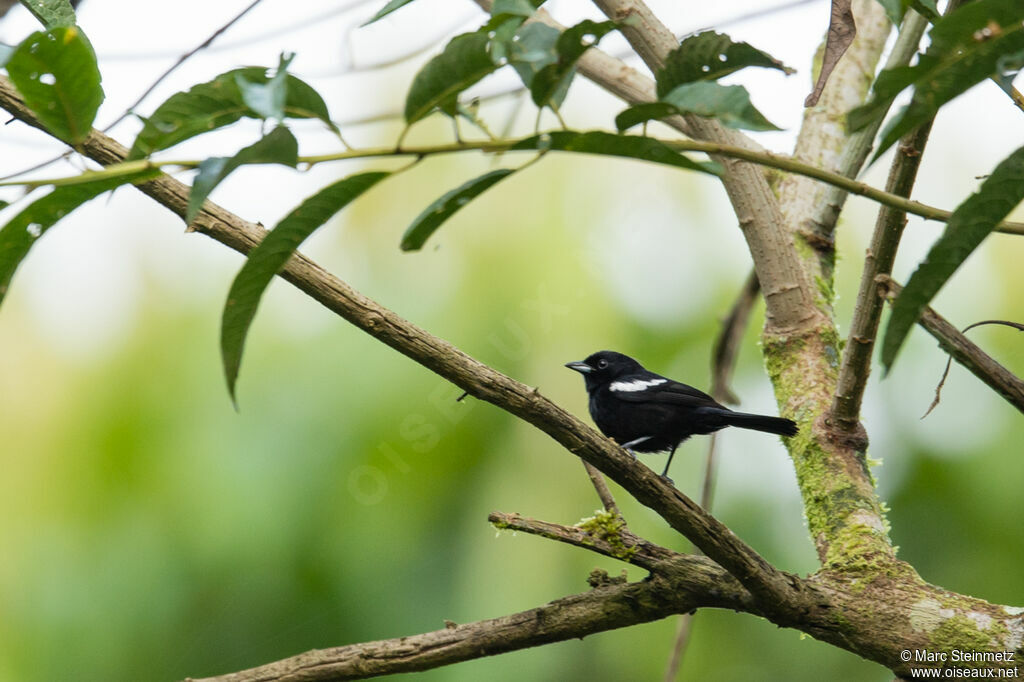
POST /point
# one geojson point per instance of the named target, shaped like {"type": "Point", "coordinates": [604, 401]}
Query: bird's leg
{"type": "Point", "coordinates": [671, 454]}
{"type": "Point", "coordinates": [628, 447]}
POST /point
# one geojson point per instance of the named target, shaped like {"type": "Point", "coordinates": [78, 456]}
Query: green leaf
{"type": "Point", "coordinates": [529, 50]}
{"type": "Point", "coordinates": [519, 8]}
{"type": "Point", "coordinates": [464, 61]}
{"type": "Point", "coordinates": [894, 9]}
{"type": "Point", "coordinates": [23, 230]}
{"type": "Point", "coordinates": [970, 223]}
{"type": "Point", "coordinates": [51, 13]}
{"type": "Point", "coordinates": [271, 254]}
{"type": "Point", "coordinates": [730, 104]}
{"type": "Point", "coordinates": [279, 146]}
{"type": "Point", "coordinates": [709, 56]}
{"type": "Point", "coordinates": [967, 47]}
{"type": "Point", "coordinates": [55, 71]}
{"type": "Point", "coordinates": [218, 103]}
{"type": "Point", "coordinates": [267, 99]}
{"type": "Point", "coordinates": [550, 84]}
{"type": "Point", "coordinates": [427, 222]}
{"type": "Point", "coordinates": [607, 144]}
{"type": "Point", "coordinates": [386, 10]}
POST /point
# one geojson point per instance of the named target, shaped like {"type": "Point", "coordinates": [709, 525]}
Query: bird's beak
{"type": "Point", "coordinates": [581, 367]}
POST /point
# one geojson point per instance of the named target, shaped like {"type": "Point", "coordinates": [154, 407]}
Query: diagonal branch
{"type": "Point", "coordinates": [856, 364]}
{"type": "Point", "coordinates": [788, 294]}
{"type": "Point", "coordinates": [483, 382]}
{"type": "Point", "coordinates": [966, 352]}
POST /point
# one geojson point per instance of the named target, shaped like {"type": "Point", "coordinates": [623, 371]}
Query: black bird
{"type": "Point", "coordinates": [646, 412]}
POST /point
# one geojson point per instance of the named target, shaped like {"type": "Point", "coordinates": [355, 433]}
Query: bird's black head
{"type": "Point", "coordinates": [604, 367]}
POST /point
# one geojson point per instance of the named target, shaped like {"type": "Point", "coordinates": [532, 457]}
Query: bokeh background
{"type": "Point", "coordinates": [148, 531]}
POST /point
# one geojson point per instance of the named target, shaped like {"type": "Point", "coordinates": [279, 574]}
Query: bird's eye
{"type": "Point", "coordinates": [601, 364]}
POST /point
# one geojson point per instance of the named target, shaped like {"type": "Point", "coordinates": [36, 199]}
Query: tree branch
{"type": "Point", "coordinates": [789, 296]}
{"type": "Point", "coordinates": [481, 381]}
{"type": "Point", "coordinates": [607, 536]}
{"type": "Point", "coordinates": [695, 583]}
{"type": "Point", "coordinates": [501, 146]}
{"type": "Point", "coordinates": [858, 145]}
{"type": "Point", "coordinates": [964, 351]}
{"type": "Point", "coordinates": [856, 365]}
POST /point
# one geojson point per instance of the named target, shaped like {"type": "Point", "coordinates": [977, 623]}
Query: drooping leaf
{"type": "Point", "coordinates": [427, 222]}
{"type": "Point", "coordinates": [386, 10]}
{"type": "Point", "coordinates": [887, 85]}
{"type": "Point", "coordinates": [970, 223]}
{"type": "Point", "coordinates": [23, 230]}
{"type": "Point", "coordinates": [550, 84]}
{"type": "Point", "coordinates": [730, 104]}
{"type": "Point", "coordinates": [218, 103]}
{"type": "Point", "coordinates": [267, 99]}
{"type": "Point", "coordinates": [842, 29]}
{"type": "Point", "coordinates": [51, 13]}
{"type": "Point", "coordinates": [464, 61]}
{"type": "Point", "coordinates": [710, 56]}
{"type": "Point", "coordinates": [966, 48]}
{"type": "Point", "coordinates": [270, 255]}
{"type": "Point", "coordinates": [55, 71]}
{"type": "Point", "coordinates": [279, 146]}
{"type": "Point", "coordinates": [607, 144]}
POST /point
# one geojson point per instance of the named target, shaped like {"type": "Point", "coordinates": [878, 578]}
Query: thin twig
{"type": "Point", "coordinates": [619, 544]}
{"type": "Point", "coordinates": [131, 107]}
{"type": "Point", "coordinates": [949, 361]}
{"type": "Point", "coordinates": [723, 365]}
{"type": "Point", "coordinates": [727, 344]}
{"type": "Point", "coordinates": [967, 353]}
{"type": "Point", "coordinates": [601, 486]}
{"type": "Point", "coordinates": [181, 60]}
{"type": "Point", "coordinates": [769, 159]}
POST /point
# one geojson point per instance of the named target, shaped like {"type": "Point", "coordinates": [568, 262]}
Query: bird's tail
{"type": "Point", "coordinates": [759, 422]}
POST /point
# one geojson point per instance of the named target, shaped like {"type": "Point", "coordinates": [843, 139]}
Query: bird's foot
{"type": "Point", "coordinates": [668, 480]}
{"type": "Point", "coordinates": [628, 447]}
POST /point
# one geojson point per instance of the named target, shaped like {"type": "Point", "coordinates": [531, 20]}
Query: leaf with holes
{"type": "Point", "coordinates": [710, 56]}
{"type": "Point", "coordinates": [23, 230]}
{"type": "Point", "coordinates": [528, 50]}
{"type": "Point", "coordinates": [218, 103]}
{"type": "Point", "coordinates": [55, 71]}
{"type": "Point", "coordinates": [51, 13]}
{"type": "Point", "coordinates": [433, 216]}
{"type": "Point", "coordinates": [970, 223]}
{"type": "Point", "coordinates": [279, 146]}
{"type": "Point", "coordinates": [271, 254]}
{"type": "Point", "coordinates": [607, 144]}
{"type": "Point", "coordinates": [550, 84]}
{"type": "Point", "coordinates": [729, 104]}
{"type": "Point", "coordinates": [464, 61]}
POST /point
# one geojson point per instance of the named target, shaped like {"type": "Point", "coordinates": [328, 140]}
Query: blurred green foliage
{"type": "Point", "coordinates": [149, 532]}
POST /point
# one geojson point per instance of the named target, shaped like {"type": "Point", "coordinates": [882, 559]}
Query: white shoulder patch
{"type": "Point", "coordinates": [635, 385]}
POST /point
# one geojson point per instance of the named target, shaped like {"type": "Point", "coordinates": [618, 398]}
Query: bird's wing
{"type": "Point", "coordinates": [658, 389]}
